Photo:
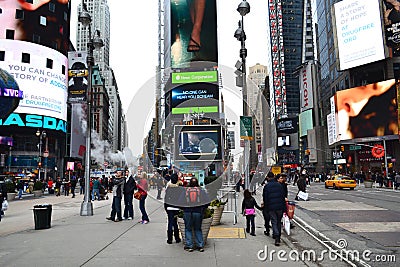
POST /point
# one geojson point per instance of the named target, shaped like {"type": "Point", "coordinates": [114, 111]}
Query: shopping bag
{"type": "Point", "coordinates": [4, 206]}
{"type": "Point", "coordinates": [290, 206]}
{"type": "Point", "coordinates": [286, 223]}
{"type": "Point", "coordinates": [302, 195]}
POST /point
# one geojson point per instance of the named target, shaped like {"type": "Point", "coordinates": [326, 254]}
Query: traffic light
{"type": "Point", "coordinates": [342, 148]}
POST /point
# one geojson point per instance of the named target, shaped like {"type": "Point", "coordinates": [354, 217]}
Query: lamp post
{"type": "Point", "coordinates": [41, 135]}
{"type": "Point", "coordinates": [240, 35]}
{"type": "Point", "coordinates": [93, 42]}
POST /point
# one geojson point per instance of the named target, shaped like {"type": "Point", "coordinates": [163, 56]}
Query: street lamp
{"type": "Point", "coordinates": [41, 135]}
{"type": "Point", "coordinates": [240, 35]}
{"type": "Point", "coordinates": [94, 42]}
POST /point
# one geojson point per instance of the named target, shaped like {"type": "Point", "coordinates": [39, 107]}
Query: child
{"type": "Point", "coordinates": [248, 210]}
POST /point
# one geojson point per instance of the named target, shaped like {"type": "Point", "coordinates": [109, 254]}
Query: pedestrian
{"type": "Point", "coordinates": [66, 188]}
{"type": "Point", "coordinates": [82, 185]}
{"type": "Point", "coordinates": [171, 206]}
{"type": "Point", "coordinates": [118, 188]}
{"type": "Point", "coordinates": [73, 186]}
{"type": "Point", "coordinates": [129, 188]}
{"type": "Point", "coordinates": [58, 186]}
{"type": "Point", "coordinates": [248, 209]}
{"type": "Point", "coordinates": [379, 179]}
{"type": "Point", "coordinates": [301, 185]}
{"type": "Point", "coordinates": [160, 185]}
{"type": "Point", "coordinates": [194, 201]}
{"type": "Point", "coordinates": [50, 186]}
{"type": "Point", "coordinates": [265, 212]}
{"type": "Point", "coordinates": [282, 180]}
{"type": "Point", "coordinates": [143, 187]}
{"type": "Point", "coordinates": [96, 189]}
{"type": "Point", "coordinates": [274, 202]}
{"type": "Point", "coordinates": [20, 188]}
{"type": "Point", "coordinates": [3, 197]}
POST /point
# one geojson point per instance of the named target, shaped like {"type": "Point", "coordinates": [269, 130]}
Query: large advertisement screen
{"type": "Point", "coordinates": [41, 73]}
{"type": "Point", "coordinates": [198, 142]}
{"type": "Point", "coordinates": [356, 21]}
{"type": "Point", "coordinates": [77, 77]}
{"type": "Point", "coordinates": [367, 111]}
{"type": "Point", "coordinates": [43, 22]}
{"type": "Point", "coordinates": [193, 32]}
{"type": "Point", "coordinates": [195, 97]}
{"type": "Point", "coordinates": [392, 22]}
{"type": "Point", "coordinates": [305, 122]}
{"type": "Point", "coordinates": [306, 88]}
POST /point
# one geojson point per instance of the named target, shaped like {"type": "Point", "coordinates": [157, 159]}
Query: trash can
{"type": "Point", "coordinates": [42, 216]}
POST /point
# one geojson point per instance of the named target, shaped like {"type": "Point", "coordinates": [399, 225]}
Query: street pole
{"type": "Point", "coordinates": [386, 165]}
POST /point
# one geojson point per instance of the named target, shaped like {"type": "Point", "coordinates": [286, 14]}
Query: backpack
{"type": "Point", "coordinates": [193, 195]}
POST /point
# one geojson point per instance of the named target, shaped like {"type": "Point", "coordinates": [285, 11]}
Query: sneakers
{"type": "Point", "coordinates": [266, 233]}
{"type": "Point", "coordinates": [110, 219]}
{"type": "Point", "coordinates": [130, 218]}
{"type": "Point", "coordinates": [118, 220]}
{"type": "Point", "coordinates": [277, 241]}
{"type": "Point", "coordinates": [145, 222]}
{"type": "Point", "coordinates": [201, 249]}
{"type": "Point", "coordinates": [253, 234]}
{"type": "Point", "coordinates": [188, 249]}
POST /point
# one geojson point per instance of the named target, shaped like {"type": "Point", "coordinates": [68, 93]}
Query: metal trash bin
{"type": "Point", "coordinates": [42, 216]}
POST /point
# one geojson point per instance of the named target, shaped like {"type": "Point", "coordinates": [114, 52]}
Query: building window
{"type": "Point", "coordinates": [10, 34]}
{"type": "Point", "coordinates": [36, 38]}
{"type": "Point", "coordinates": [52, 7]}
{"type": "Point", "coordinates": [2, 55]}
{"type": "Point", "coordinates": [43, 21]}
{"type": "Point", "coordinates": [26, 58]}
{"type": "Point", "coordinates": [19, 14]}
{"type": "Point", "coordinates": [49, 63]}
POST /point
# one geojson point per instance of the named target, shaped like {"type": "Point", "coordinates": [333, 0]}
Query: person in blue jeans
{"type": "Point", "coordinates": [129, 187]}
{"type": "Point", "coordinates": [172, 193]}
{"type": "Point", "coordinates": [20, 187]}
{"type": "Point", "coordinates": [195, 201]}
{"type": "Point", "coordinates": [96, 189]}
{"type": "Point", "coordinates": [143, 187]}
{"type": "Point", "coordinates": [118, 189]}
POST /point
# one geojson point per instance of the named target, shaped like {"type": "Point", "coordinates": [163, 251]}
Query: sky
{"type": "Point", "coordinates": [134, 42]}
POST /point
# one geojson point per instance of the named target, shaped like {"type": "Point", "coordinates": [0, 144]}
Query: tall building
{"type": "Point", "coordinates": [99, 10]}
{"type": "Point", "coordinates": [290, 46]}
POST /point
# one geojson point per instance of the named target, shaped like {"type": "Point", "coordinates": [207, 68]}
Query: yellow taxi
{"type": "Point", "coordinates": [340, 181]}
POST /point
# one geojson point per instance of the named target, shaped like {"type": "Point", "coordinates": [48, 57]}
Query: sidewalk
{"type": "Point", "coordinates": [74, 240]}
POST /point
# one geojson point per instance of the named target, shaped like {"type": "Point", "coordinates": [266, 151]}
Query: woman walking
{"type": "Point", "coordinates": [143, 187]}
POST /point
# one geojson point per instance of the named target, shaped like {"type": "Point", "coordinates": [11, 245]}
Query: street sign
{"type": "Point", "coordinates": [355, 148]}
{"type": "Point", "coordinates": [246, 127]}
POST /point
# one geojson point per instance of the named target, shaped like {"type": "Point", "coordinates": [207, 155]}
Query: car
{"type": "Point", "coordinates": [340, 182]}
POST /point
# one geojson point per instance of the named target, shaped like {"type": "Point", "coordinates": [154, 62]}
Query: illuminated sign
{"type": "Point", "coordinates": [356, 21]}
{"type": "Point", "coordinates": [35, 121]}
{"type": "Point", "coordinates": [194, 77]}
{"type": "Point", "coordinates": [42, 78]}
{"type": "Point", "coordinates": [306, 88]}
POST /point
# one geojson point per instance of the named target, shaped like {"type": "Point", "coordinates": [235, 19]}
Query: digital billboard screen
{"type": "Point", "coordinates": [198, 142]}
{"type": "Point", "coordinates": [367, 111]}
{"type": "Point", "coordinates": [356, 21]}
{"type": "Point", "coordinates": [193, 32]}
{"type": "Point", "coordinates": [41, 73]}
{"type": "Point", "coordinates": [195, 97]}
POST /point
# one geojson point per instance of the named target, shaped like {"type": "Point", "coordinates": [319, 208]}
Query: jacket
{"type": "Point", "coordinates": [130, 185]}
{"type": "Point", "coordinates": [273, 196]}
{"type": "Point", "coordinates": [143, 186]}
{"type": "Point", "coordinates": [172, 194]}
{"type": "Point", "coordinates": [118, 186]}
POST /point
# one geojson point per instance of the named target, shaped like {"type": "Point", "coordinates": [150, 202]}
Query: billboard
{"type": "Point", "coordinates": [195, 97]}
{"type": "Point", "coordinates": [45, 23]}
{"type": "Point", "coordinates": [306, 88]}
{"type": "Point", "coordinates": [77, 77]}
{"type": "Point", "coordinates": [391, 22]}
{"type": "Point", "coordinates": [287, 125]}
{"type": "Point", "coordinates": [367, 111]}
{"type": "Point", "coordinates": [356, 21]}
{"type": "Point", "coordinates": [78, 137]}
{"type": "Point", "coordinates": [201, 143]}
{"type": "Point", "coordinates": [41, 73]}
{"type": "Point", "coordinates": [193, 27]}
{"type": "Point", "coordinates": [305, 122]}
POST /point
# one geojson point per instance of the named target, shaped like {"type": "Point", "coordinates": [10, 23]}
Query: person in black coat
{"type": "Point", "coordinates": [171, 206]}
{"type": "Point", "coordinates": [301, 185]}
{"type": "Point", "coordinates": [248, 209]}
{"type": "Point", "coordinates": [129, 188]}
{"type": "Point", "coordinates": [274, 202]}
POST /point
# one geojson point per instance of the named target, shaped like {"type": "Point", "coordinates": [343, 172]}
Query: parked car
{"type": "Point", "coordinates": [340, 182]}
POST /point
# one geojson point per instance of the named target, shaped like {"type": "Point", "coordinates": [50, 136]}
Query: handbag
{"type": "Point", "coordinates": [249, 211]}
{"type": "Point", "coordinates": [137, 195]}
{"type": "Point", "coordinates": [286, 223]}
{"type": "Point", "coordinates": [4, 206]}
{"type": "Point", "coordinates": [290, 206]}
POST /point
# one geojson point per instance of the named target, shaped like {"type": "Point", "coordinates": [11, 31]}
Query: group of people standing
{"type": "Point", "coordinates": [124, 186]}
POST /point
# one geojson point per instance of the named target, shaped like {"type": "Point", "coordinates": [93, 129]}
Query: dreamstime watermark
{"type": "Point", "coordinates": [341, 254]}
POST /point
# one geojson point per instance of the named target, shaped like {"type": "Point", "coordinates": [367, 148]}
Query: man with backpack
{"type": "Point", "coordinates": [194, 201]}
